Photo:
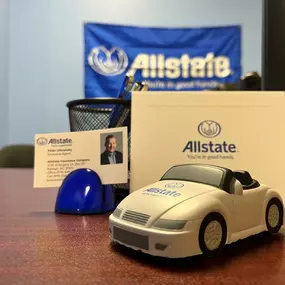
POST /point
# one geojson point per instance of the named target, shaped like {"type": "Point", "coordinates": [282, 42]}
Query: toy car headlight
{"type": "Point", "coordinates": [170, 224]}
{"type": "Point", "coordinates": [117, 212]}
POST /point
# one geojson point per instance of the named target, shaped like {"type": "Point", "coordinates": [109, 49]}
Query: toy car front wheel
{"type": "Point", "coordinates": [213, 234]}
{"type": "Point", "coordinates": [274, 215]}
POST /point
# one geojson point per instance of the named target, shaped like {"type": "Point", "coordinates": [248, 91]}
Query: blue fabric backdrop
{"type": "Point", "coordinates": [166, 58]}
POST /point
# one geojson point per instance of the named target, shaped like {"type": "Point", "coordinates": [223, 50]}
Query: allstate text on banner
{"type": "Point", "coordinates": [197, 69]}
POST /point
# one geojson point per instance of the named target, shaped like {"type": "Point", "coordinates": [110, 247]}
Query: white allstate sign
{"type": "Point", "coordinates": [160, 66]}
{"type": "Point", "coordinates": [238, 130]}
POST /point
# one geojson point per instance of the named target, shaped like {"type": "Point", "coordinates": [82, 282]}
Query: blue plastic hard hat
{"type": "Point", "coordinates": [82, 192]}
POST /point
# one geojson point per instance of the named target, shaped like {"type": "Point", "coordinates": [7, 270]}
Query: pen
{"type": "Point", "coordinates": [144, 86]}
{"type": "Point", "coordinates": [126, 86]}
{"type": "Point", "coordinates": [137, 86]}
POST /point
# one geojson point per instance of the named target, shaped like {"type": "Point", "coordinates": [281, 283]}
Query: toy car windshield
{"type": "Point", "coordinates": [205, 174]}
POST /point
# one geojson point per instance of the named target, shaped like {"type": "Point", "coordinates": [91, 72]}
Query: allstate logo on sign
{"type": "Point", "coordinates": [209, 129]}
{"type": "Point", "coordinates": [174, 185]}
{"type": "Point", "coordinates": [42, 141]}
{"type": "Point", "coordinates": [108, 62]}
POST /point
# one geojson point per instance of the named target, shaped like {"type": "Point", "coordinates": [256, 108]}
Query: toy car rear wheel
{"type": "Point", "coordinates": [212, 234]}
{"type": "Point", "coordinates": [274, 215]}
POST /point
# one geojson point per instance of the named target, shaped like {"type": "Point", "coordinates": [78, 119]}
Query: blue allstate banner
{"type": "Point", "coordinates": [165, 58]}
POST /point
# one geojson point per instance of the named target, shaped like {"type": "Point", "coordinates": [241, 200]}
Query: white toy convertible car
{"type": "Point", "coordinates": [195, 209]}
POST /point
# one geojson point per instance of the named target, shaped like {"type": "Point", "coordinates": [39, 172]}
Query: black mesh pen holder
{"type": "Point", "coordinates": [101, 113]}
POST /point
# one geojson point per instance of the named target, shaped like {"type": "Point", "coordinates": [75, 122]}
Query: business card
{"type": "Point", "coordinates": [104, 151]}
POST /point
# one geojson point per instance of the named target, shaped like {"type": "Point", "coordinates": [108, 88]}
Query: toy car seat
{"type": "Point", "coordinates": [245, 179]}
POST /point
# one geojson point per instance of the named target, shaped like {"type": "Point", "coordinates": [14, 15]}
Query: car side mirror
{"type": "Point", "coordinates": [238, 189]}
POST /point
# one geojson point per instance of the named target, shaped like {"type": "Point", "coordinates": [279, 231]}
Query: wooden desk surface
{"type": "Point", "coordinates": [38, 247]}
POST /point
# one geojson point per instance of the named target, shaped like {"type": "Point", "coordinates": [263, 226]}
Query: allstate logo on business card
{"type": "Point", "coordinates": [42, 141]}
{"type": "Point", "coordinates": [209, 129]}
{"type": "Point", "coordinates": [108, 62]}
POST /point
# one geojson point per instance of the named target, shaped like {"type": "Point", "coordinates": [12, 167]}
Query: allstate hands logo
{"type": "Point", "coordinates": [209, 129]}
{"type": "Point", "coordinates": [42, 141]}
{"type": "Point", "coordinates": [108, 62]}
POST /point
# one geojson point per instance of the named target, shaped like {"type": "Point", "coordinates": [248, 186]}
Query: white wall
{"type": "Point", "coordinates": [46, 56]}
{"type": "Point", "coordinates": [4, 64]}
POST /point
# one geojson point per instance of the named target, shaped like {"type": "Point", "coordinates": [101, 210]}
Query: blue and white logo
{"type": "Point", "coordinates": [167, 59]}
{"type": "Point", "coordinates": [174, 185]}
{"type": "Point", "coordinates": [209, 129]}
{"type": "Point", "coordinates": [163, 192]}
{"type": "Point", "coordinates": [108, 62]}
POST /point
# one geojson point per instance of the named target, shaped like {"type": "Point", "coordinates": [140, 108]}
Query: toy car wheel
{"type": "Point", "coordinates": [213, 234]}
{"type": "Point", "coordinates": [274, 215]}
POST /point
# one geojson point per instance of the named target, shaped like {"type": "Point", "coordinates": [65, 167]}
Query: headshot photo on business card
{"type": "Point", "coordinates": [111, 147]}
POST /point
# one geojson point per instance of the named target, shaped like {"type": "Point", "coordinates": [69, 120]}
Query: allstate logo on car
{"type": "Point", "coordinates": [174, 185]}
{"type": "Point", "coordinates": [161, 192]}
{"type": "Point", "coordinates": [108, 62]}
